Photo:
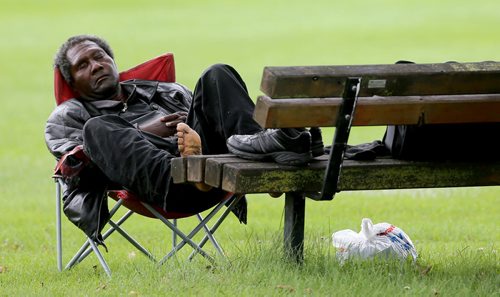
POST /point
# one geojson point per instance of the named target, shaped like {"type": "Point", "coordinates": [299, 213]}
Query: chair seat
{"type": "Point", "coordinates": [132, 202]}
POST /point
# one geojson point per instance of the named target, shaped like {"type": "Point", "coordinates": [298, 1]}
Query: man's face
{"type": "Point", "coordinates": [94, 72]}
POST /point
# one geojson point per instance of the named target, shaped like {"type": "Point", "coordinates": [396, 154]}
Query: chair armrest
{"type": "Point", "coordinates": [71, 163]}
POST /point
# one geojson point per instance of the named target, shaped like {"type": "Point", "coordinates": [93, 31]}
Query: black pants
{"type": "Point", "coordinates": [140, 162]}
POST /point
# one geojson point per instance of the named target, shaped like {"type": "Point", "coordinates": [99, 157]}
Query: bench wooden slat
{"type": "Point", "coordinates": [258, 177]}
{"type": "Point", "coordinates": [196, 166]}
{"type": "Point", "coordinates": [214, 169]}
{"type": "Point", "coordinates": [377, 110]}
{"type": "Point", "coordinates": [192, 168]}
{"type": "Point", "coordinates": [179, 170]}
{"type": "Point", "coordinates": [383, 80]}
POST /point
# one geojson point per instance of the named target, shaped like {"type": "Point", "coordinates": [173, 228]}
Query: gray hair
{"type": "Point", "coordinates": [61, 59]}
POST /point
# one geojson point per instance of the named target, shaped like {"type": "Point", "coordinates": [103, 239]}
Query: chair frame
{"type": "Point", "coordinates": [90, 246]}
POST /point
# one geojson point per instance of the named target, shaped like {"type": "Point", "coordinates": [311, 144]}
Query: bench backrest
{"type": "Point", "coordinates": [389, 94]}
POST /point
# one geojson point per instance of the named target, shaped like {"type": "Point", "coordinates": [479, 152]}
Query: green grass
{"type": "Point", "coordinates": [454, 230]}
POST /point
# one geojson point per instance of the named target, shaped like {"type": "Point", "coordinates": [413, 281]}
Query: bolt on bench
{"type": "Point", "coordinates": [363, 95]}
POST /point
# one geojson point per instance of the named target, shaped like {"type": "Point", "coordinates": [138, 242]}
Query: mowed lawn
{"type": "Point", "coordinates": [455, 230]}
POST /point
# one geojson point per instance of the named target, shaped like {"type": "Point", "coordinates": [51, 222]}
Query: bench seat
{"type": "Point", "coordinates": [237, 175]}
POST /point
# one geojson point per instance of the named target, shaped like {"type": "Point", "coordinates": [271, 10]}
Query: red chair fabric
{"type": "Point", "coordinates": [161, 68]}
{"type": "Point", "coordinates": [131, 201]}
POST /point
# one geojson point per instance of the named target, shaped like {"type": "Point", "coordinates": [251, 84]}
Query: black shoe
{"type": "Point", "coordinates": [272, 144]}
{"type": "Point", "coordinates": [317, 147]}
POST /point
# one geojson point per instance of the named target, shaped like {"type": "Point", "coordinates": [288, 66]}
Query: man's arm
{"type": "Point", "coordinates": [64, 128]}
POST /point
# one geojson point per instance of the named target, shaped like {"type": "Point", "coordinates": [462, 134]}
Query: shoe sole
{"type": "Point", "coordinates": [285, 157]}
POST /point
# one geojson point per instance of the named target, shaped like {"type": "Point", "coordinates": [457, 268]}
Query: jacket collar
{"type": "Point", "coordinates": [133, 89]}
{"type": "Point", "coordinates": [145, 89]}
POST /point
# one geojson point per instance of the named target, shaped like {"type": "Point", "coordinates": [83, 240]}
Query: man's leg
{"type": "Point", "coordinates": [221, 108]}
{"type": "Point", "coordinates": [139, 162]}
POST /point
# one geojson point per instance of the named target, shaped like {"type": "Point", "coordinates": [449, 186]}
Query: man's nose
{"type": "Point", "coordinates": [96, 66]}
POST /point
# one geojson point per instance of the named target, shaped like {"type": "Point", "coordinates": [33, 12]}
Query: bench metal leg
{"type": "Point", "coordinates": [295, 205]}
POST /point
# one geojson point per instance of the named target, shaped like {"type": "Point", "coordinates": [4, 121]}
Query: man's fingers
{"type": "Point", "coordinates": [170, 117]}
{"type": "Point", "coordinates": [174, 123]}
{"type": "Point", "coordinates": [181, 115]}
{"type": "Point", "coordinates": [166, 118]}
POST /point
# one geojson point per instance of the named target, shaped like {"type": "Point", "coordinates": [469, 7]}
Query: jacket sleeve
{"type": "Point", "coordinates": [64, 127]}
{"type": "Point", "coordinates": [84, 195]}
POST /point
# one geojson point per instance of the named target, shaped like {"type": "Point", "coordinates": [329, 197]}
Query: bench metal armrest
{"type": "Point", "coordinates": [344, 123]}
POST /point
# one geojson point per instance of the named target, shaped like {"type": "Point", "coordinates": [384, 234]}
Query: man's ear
{"type": "Point", "coordinates": [71, 85]}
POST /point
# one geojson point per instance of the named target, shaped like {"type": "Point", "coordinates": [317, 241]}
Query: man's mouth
{"type": "Point", "coordinates": [100, 79]}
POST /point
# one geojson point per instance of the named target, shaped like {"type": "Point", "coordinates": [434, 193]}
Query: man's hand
{"type": "Point", "coordinates": [165, 126]}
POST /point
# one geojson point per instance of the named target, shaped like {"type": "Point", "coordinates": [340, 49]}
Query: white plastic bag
{"type": "Point", "coordinates": [382, 239]}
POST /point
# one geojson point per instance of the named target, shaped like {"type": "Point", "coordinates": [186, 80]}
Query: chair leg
{"type": "Point", "coordinates": [97, 252]}
{"type": "Point", "coordinates": [132, 241]}
{"type": "Point", "coordinates": [202, 224]}
{"type": "Point", "coordinates": [210, 232]}
{"type": "Point", "coordinates": [209, 235]}
{"type": "Point", "coordinates": [58, 225]}
{"type": "Point", "coordinates": [82, 253]}
{"type": "Point", "coordinates": [185, 239]}
{"type": "Point", "coordinates": [174, 236]}
{"type": "Point", "coordinates": [85, 250]}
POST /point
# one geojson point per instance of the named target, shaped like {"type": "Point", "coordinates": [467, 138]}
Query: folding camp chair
{"type": "Point", "coordinates": [160, 68]}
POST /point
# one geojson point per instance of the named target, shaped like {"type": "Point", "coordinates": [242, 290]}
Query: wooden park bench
{"type": "Point", "coordinates": [345, 96]}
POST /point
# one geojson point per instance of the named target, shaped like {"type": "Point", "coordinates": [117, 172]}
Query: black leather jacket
{"type": "Point", "coordinates": [84, 196]}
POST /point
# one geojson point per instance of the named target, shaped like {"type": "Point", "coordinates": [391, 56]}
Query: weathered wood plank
{"type": "Point", "coordinates": [214, 167]}
{"type": "Point", "coordinates": [192, 168]}
{"type": "Point", "coordinates": [196, 166]}
{"type": "Point", "coordinates": [179, 170]}
{"type": "Point", "coordinates": [259, 177]}
{"type": "Point", "coordinates": [372, 111]}
{"type": "Point", "coordinates": [383, 80]}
